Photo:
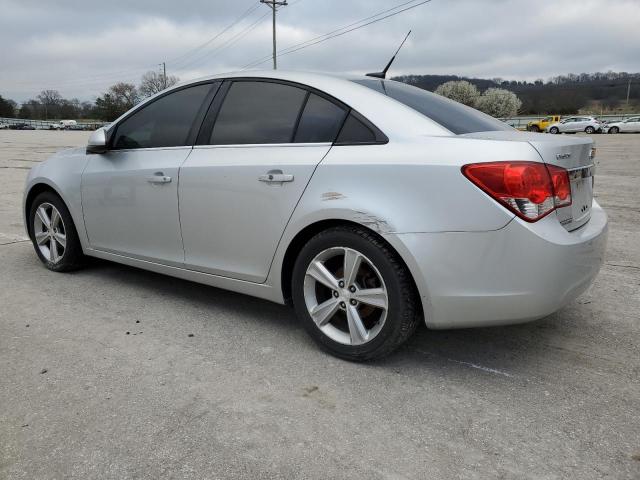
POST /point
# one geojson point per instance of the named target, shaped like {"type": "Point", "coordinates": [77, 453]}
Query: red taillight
{"type": "Point", "coordinates": [531, 190]}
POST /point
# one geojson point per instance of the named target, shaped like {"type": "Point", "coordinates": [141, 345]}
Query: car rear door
{"type": "Point", "coordinates": [130, 193]}
{"type": "Point", "coordinates": [258, 147]}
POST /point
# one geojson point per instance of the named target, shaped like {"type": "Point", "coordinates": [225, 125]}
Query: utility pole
{"type": "Point", "coordinates": [273, 4]}
{"type": "Point", "coordinates": [164, 75]}
{"type": "Point", "coordinates": [628, 90]}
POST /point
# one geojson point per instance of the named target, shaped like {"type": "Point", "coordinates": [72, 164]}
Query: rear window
{"type": "Point", "coordinates": [453, 116]}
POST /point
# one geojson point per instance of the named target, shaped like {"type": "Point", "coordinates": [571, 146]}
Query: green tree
{"type": "Point", "coordinates": [7, 107]}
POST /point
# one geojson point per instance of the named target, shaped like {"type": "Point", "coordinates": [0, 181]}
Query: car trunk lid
{"type": "Point", "coordinates": [574, 154]}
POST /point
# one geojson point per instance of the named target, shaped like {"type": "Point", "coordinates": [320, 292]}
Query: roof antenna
{"type": "Point", "coordinates": [383, 73]}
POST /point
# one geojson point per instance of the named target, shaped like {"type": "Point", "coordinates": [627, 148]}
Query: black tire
{"type": "Point", "coordinates": [533, 128]}
{"type": "Point", "coordinates": [614, 130]}
{"type": "Point", "coordinates": [590, 130]}
{"type": "Point", "coordinates": [403, 313]}
{"type": "Point", "coordinates": [554, 130]}
{"type": "Point", "coordinates": [72, 257]}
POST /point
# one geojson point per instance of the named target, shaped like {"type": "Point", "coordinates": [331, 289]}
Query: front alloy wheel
{"type": "Point", "coordinates": [53, 233]}
{"type": "Point", "coordinates": [49, 232]}
{"type": "Point", "coordinates": [353, 293]}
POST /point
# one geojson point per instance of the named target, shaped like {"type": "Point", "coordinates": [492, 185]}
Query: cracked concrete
{"type": "Point", "coordinates": [212, 384]}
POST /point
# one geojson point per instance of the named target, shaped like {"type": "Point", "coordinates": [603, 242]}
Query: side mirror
{"type": "Point", "coordinates": [97, 142]}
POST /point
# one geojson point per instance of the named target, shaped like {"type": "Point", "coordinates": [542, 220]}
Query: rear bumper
{"type": "Point", "coordinates": [519, 273]}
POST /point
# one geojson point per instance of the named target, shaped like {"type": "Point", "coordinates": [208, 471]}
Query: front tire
{"type": "Point", "coordinates": [353, 294]}
{"type": "Point", "coordinates": [554, 130]}
{"type": "Point", "coordinates": [53, 233]}
{"type": "Point", "coordinates": [590, 130]}
{"type": "Point", "coordinates": [533, 128]}
{"type": "Point", "coordinates": [614, 130]}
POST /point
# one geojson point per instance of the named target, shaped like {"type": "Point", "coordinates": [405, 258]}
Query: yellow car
{"type": "Point", "coordinates": [540, 125]}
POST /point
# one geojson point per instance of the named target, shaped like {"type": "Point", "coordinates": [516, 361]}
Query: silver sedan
{"type": "Point", "coordinates": [368, 204]}
{"type": "Point", "coordinates": [576, 124]}
{"type": "Point", "coordinates": [630, 125]}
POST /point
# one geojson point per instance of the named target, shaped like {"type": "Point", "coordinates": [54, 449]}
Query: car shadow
{"type": "Point", "coordinates": [501, 351]}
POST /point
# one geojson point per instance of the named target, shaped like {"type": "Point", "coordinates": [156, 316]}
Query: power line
{"type": "Point", "coordinates": [114, 76]}
{"type": "Point", "coordinates": [242, 16]}
{"type": "Point", "coordinates": [342, 30]}
{"type": "Point", "coordinates": [228, 43]}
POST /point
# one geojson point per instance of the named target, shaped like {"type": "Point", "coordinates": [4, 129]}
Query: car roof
{"type": "Point", "coordinates": [395, 119]}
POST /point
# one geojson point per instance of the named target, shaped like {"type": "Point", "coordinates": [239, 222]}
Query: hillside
{"type": "Point", "coordinates": [565, 94]}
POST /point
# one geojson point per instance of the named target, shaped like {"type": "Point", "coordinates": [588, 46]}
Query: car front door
{"type": "Point", "coordinates": [130, 193]}
{"type": "Point", "coordinates": [257, 150]}
{"type": "Point", "coordinates": [631, 125]}
{"type": "Point", "coordinates": [566, 125]}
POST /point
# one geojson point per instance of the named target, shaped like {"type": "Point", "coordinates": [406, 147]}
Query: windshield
{"type": "Point", "coordinates": [453, 116]}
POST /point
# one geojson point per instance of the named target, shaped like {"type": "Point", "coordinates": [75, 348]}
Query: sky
{"type": "Point", "coordinates": [82, 47]}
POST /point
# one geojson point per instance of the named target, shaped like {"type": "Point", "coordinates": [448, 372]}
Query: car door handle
{"type": "Point", "coordinates": [159, 177]}
{"type": "Point", "coordinates": [276, 176]}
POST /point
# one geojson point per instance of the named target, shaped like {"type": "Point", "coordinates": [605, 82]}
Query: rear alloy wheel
{"type": "Point", "coordinates": [589, 130]}
{"type": "Point", "coordinates": [554, 130]}
{"type": "Point", "coordinates": [353, 294]}
{"type": "Point", "coordinates": [614, 130]}
{"type": "Point", "coordinates": [53, 234]}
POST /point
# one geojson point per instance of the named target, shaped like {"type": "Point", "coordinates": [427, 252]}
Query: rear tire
{"type": "Point", "coordinates": [554, 130]}
{"type": "Point", "coordinates": [533, 128]}
{"type": "Point", "coordinates": [53, 234]}
{"type": "Point", "coordinates": [359, 316]}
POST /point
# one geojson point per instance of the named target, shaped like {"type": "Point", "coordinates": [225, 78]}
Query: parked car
{"type": "Point", "coordinates": [541, 124]}
{"type": "Point", "coordinates": [21, 126]}
{"type": "Point", "coordinates": [629, 125]}
{"type": "Point", "coordinates": [576, 124]}
{"type": "Point", "coordinates": [4, 126]}
{"type": "Point", "coordinates": [368, 204]}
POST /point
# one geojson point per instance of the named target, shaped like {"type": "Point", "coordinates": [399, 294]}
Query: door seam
{"type": "Point", "coordinates": [184, 253]}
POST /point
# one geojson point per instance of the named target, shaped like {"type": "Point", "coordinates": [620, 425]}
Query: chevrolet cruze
{"type": "Point", "coordinates": [368, 204]}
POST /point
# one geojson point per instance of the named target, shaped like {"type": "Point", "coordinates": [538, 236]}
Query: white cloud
{"type": "Point", "coordinates": [81, 47]}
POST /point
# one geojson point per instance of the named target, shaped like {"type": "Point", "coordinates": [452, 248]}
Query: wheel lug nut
{"type": "Point", "coordinates": [341, 284]}
{"type": "Point", "coordinates": [352, 289]}
{"type": "Point", "coordinates": [353, 302]}
{"type": "Point", "coordinates": [343, 305]}
{"type": "Point", "coordinates": [335, 294]}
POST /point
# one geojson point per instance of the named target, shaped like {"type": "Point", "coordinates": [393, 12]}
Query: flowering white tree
{"type": "Point", "coordinates": [460, 91]}
{"type": "Point", "coordinates": [498, 102]}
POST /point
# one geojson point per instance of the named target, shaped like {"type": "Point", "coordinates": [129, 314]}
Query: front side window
{"type": "Point", "coordinates": [453, 116]}
{"type": "Point", "coordinates": [165, 122]}
{"type": "Point", "coordinates": [255, 112]}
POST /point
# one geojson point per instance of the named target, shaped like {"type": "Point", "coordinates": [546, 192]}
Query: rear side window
{"type": "Point", "coordinates": [454, 116]}
{"type": "Point", "coordinates": [258, 112]}
{"type": "Point", "coordinates": [320, 121]}
{"type": "Point", "coordinates": [355, 131]}
{"type": "Point", "coordinates": [165, 122]}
